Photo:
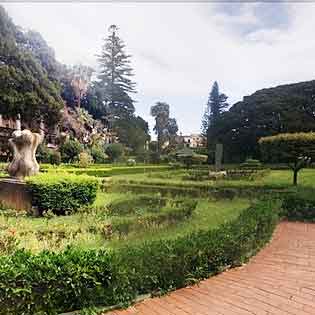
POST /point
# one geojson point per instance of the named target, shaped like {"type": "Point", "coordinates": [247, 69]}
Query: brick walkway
{"type": "Point", "coordinates": [279, 280]}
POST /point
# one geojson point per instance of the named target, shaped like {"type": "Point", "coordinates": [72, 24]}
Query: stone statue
{"type": "Point", "coordinates": [24, 144]}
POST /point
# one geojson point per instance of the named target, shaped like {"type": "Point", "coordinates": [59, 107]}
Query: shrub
{"type": "Point", "coordinates": [76, 278]}
{"type": "Point", "coordinates": [85, 159]}
{"type": "Point", "coordinates": [62, 193]}
{"type": "Point", "coordinates": [197, 175]}
{"type": "Point", "coordinates": [115, 151]}
{"type": "Point", "coordinates": [46, 155]}
{"type": "Point", "coordinates": [42, 153]}
{"type": "Point", "coordinates": [299, 206]}
{"type": "Point", "coordinates": [54, 157]}
{"type": "Point", "coordinates": [246, 174]}
{"type": "Point", "coordinates": [98, 154]}
{"type": "Point", "coordinates": [8, 242]}
{"type": "Point", "coordinates": [251, 164]}
{"type": "Point", "coordinates": [70, 150]}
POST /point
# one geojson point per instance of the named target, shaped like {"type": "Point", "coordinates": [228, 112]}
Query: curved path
{"type": "Point", "coordinates": [279, 280]}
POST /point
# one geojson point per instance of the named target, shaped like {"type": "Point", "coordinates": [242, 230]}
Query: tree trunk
{"type": "Point", "coordinates": [295, 174]}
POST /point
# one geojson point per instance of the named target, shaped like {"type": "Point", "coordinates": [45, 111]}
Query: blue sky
{"type": "Point", "coordinates": [179, 49]}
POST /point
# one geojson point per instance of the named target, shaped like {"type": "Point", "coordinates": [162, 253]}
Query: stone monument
{"type": "Point", "coordinates": [24, 144]}
{"type": "Point", "coordinates": [13, 191]}
{"type": "Point", "coordinates": [218, 156]}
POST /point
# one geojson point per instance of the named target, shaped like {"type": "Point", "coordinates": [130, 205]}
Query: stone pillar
{"type": "Point", "coordinates": [18, 122]}
{"type": "Point", "coordinates": [218, 156]}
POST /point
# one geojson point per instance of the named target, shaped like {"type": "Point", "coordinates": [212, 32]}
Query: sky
{"type": "Point", "coordinates": [179, 49]}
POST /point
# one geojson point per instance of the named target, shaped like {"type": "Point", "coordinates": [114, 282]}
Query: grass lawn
{"type": "Point", "coordinates": [86, 229]}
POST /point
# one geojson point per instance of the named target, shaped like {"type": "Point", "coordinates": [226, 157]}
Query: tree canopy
{"type": "Point", "coordinates": [165, 127]}
{"type": "Point", "coordinates": [25, 87]}
{"type": "Point", "coordinates": [295, 149]}
{"type": "Point", "coordinates": [115, 76]}
{"type": "Point", "coordinates": [283, 109]}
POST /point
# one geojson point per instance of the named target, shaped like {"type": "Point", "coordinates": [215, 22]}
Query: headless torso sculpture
{"type": "Point", "coordinates": [24, 144]}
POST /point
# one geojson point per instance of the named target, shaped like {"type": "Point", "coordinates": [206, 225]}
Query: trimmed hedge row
{"type": "Point", "coordinates": [62, 193]}
{"type": "Point", "coordinates": [299, 206]}
{"type": "Point", "coordinates": [49, 283]}
{"type": "Point", "coordinates": [194, 191]}
{"type": "Point", "coordinates": [112, 171]}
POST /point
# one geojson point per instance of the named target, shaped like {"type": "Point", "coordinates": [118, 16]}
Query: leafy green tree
{"type": "Point", "coordinates": [70, 150]}
{"type": "Point", "coordinates": [25, 87]}
{"type": "Point", "coordinates": [98, 154]}
{"type": "Point", "coordinates": [33, 42]}
{"type": "Point", "coordinates": [133, 132]}
{"type": "Point", "coordinates": [283, 109]}
{"type": "Point", "coordinates": [295, 149]}
{"type": "Point", "coordinates": [165, 127]}
{"type": "Point", "coordinates": [115, 151]}
{"type": "Point", "coordinates": [115, 76]}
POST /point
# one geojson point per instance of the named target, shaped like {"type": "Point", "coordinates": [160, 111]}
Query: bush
{"type": "Point", "coordinates": [46, 155]}
{"type": "Point", "coordinates": [76, 278]}
{"type": "Point", "coordinates": [42, 153]}
{"type": "Point", "coordinates": [115, 151]}
{"type": "Point", "coordinates": [99, 155]}
{"type": "Point", "coordinates": [62, 193]}
{"type": "Point", "coordinates": [299, 206]}
{"type": "Point", "coordinates": [70, 151]}
{"type": "Point", "coordinates": [85, 159]}
{"type": "Point", "coordinates": [251, 164]}
{"type": "Point", "coordinates": [54, 158]}
{"type": "Point", "coordinates": [246, 174]}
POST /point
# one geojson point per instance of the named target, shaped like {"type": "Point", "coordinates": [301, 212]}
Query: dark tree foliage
{"type": "Point", "coordinates": [25, 87]}
{"type": "Point", "coordinates": [115, 76]}
{"type": "Point", "coordinates": [133, 132]}
{"type": "Point", "coordinates": [216, 105]}
{"type": "Point", "coordinates": [283, 109]}
{"type": "Point", "coordinates": [165, 127]}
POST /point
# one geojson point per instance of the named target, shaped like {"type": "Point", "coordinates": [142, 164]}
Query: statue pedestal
{"type": "Point", "coordinates": [14, 194]}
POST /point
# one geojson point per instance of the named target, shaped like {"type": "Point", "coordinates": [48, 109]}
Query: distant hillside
{"type": "Point", "coordinates": [285, 108]}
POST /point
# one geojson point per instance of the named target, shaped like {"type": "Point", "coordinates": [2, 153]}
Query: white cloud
{"type": "Point", "coordinates": [179, 49]}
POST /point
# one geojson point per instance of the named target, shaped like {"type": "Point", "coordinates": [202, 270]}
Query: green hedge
{"type": "Point", "coordinates": [112, 171]}
{"type": "Point", "coordinates": [299, 206]}
{"type": "Point", "coordinates": [62, 193]}
{"type": "Point", "coordinates": [49, 283]}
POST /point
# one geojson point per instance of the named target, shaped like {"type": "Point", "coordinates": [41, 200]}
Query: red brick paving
{"type": "Point", "coordinates": [279, 280]}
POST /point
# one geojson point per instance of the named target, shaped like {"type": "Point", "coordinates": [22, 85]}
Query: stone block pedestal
{"type": "Point", "coordinates": [14, 194]}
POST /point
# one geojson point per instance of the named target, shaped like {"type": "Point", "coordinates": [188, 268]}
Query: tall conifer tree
{"type": "Point", "coordinates": [115, 76]}
{"type": "Point", "coordinates": [217, 103]}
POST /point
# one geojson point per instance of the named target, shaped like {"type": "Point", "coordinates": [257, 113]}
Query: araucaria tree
{"type": "Point", "coordinates": [115, 76]}
{"type": "Point", "coordinates": [165, 127]}
{"type": "Point", "coordinates": [295, 149]}
{"type": "Point", "coordinates": [217, 103]}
